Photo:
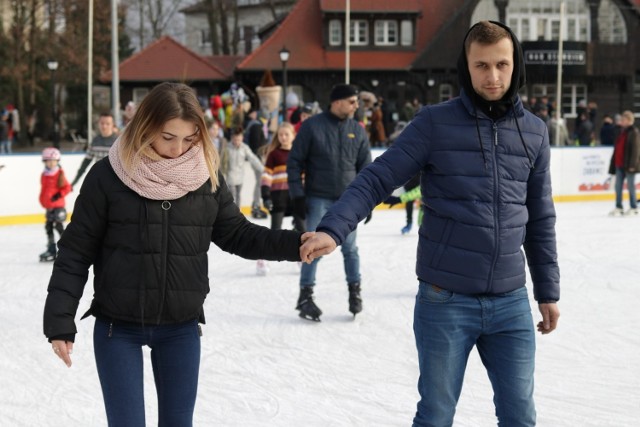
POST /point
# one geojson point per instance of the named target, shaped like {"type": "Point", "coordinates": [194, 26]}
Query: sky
{"type": "Point", "coordinates": [264, 366]}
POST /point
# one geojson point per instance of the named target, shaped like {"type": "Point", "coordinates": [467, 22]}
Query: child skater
{"type": "Point", "coordinates": [145, 218]}
{"type": "Point", "coordinates": [54, 186]}
{"type": "Point", "coordinates": [238, 153]}
{"type": "Point", "coordinates": [275, 186]}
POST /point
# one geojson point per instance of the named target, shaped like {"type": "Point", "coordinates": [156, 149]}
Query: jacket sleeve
{"type": "Point", "coordinates": [376, 182]}
{"type": "Point", "coordinates": [296, 163]}
{"type": "Point", "coordinates": [78, 248]}
{"type": "Point", "coordinates": [255, 162]}
{"type": "Point", "coordinates": [233, 233]}
{"type": "Point", "coordinates": [540, 240]}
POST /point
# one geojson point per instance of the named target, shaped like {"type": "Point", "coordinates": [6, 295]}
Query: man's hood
{"type": "Point", "coordinates": [518, 78]}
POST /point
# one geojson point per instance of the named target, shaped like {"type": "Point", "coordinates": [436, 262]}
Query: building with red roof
{"type": "Point", "coordinates": [406, 49]}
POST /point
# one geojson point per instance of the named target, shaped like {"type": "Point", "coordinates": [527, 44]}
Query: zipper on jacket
{"type": "Point", "coordinates": [110, 334]}
{"type": "Point", "coordinates": [166, 205]}
{"type": "Point", "coordinates": [496, 204]}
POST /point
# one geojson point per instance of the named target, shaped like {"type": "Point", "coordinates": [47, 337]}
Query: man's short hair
{"type": "Point", "coordinates": [485, 33]}
{"type": "Point", "coordinates": [106, 114]}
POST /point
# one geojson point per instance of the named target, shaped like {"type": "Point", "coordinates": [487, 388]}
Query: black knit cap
{"type": "Point", "coordinates": [342, 91]}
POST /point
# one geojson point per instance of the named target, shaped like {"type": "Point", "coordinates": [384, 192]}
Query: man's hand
{"type": "Point", "coordinates": [56, 196]}
{"type": "Point", "coordinates": [392, 200]}
{"type": "Point", "coordinates": [318, 245]}
{"type": "Point", "coordinates": [550, 314]}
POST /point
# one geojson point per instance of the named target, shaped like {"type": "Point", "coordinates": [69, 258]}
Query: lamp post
{"type": "Point", "coordinates": [284, 57]}
{"type": "Point", "coordinates": [52, 65]}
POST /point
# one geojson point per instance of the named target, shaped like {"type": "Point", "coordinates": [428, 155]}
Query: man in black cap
{"type": "Point", "coordinates": [330, 149]}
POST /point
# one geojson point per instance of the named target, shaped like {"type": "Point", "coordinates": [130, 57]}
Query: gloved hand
{"type": "Point", "coordinates": [368, 218]}
{"type": "Point", "coordinates": [268, 204]}
{"type": "Point", "coordinates": [392, 200]}
{"type": "Point", "coordinates": [300, 207]}
{"type": "Point", "coordinates": [56, 196]}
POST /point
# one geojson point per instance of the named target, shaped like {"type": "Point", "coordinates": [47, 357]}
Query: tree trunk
{"type": "Point", "coordinates": [224, 25]}
{"type": "Point", "coordinates": [213, 17]}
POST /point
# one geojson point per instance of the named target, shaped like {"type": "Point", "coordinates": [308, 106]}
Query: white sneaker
{"type": "Point", "coordinates": [262, 268]}
{"type": "Point", "coordinates": [616, 212]}
{"type": "Point", "coordinates": [632, 212]}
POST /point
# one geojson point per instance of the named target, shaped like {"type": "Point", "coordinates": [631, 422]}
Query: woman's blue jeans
{"type": "Point", "coordinates": [621, 175]}
{"type": "Point", "coordinates": [447, 326]}
{"type": "Point", "coordinates": [175, 358]}
{"type": "Point", "coordinates": [316, 208]}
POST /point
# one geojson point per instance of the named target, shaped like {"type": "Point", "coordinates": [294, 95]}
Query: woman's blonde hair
{"type": "Point", "coordinates": [166, 101]}
{"type": "Point", "coordinates": [275, 142]}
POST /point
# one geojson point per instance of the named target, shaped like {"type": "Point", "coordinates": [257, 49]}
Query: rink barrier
{"type": "Point", "coordinates": [578, 174]}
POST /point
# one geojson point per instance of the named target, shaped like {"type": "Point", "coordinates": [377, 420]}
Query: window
{"type": "Point", "coordinates": [335, 32]}
{"type": "Point", "coordinates": [205, 37]}
{"type": "Point", "coordinates": [534, 20]}
{"type": "Point", "coordinates": [571, 96]}
{"type": "Point", "coordinates": [406, 33]}
{"type": "Point", "coordinates": [611, 24]}
{"type": "Point", "coordinates": [445, 92]}
{"type": "Point", "coordinates": [139, 93]}
{"type": "Point", "coordinates": [359, 32]}
{"type": "Point", "coordinates": [386, 33]}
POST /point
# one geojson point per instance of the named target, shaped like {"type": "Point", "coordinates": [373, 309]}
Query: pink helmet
{"type": "Point", "coordinates": [50, 153]}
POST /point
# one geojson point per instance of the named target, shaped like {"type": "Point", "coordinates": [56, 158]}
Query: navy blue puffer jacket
{"type": "Point", "coordinates": [485, 198]}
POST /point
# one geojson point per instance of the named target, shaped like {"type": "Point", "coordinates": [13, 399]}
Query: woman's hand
{"type": "Point", "coordinates": [63, 350]}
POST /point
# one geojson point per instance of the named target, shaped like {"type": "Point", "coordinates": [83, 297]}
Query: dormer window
{"type": "Point", "coordinates": [335, 32]}
{"type": "Point", "coordinates": [359, 34]}
{"type": "Point", "coordinates": [386, 33]}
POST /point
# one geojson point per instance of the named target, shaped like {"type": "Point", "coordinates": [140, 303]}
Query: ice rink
{"type": "Point", "coordinates": [263, 366]}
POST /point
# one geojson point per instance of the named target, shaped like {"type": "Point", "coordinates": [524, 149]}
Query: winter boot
{"type": "Point", "coordinates": [49, 254]}
{"type": "Point", "coordinates": [258, 213]}
{"type": "Point", "coordinates": [406, 229]}
{"type": "Point", "coordinates": [307, 307]}
{"type": "Point", "coordinates": [355, 301]}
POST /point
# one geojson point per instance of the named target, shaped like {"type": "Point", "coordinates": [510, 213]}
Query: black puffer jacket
{"type": "Point", "coordinates": [330, 153]}
{"type": "Point", "coordinates": [149, 257]}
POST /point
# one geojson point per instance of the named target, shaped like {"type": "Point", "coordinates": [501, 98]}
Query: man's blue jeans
{"type": "Point", "coordinates": [621, 175]}
{"type": "Point", "coordinates": [316, 208]}
{"type": "Point", "coordinates": [175, 357]}
{"type": "Point", "coordinates": [447, 326]}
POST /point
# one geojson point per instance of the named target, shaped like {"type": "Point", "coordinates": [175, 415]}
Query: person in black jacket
{"type": "Point", "coordinates": [330, 149]}
{"type": "Point", "coordinates": [144, 219]}
{"type": "Point", "coordinates": [100, 145]}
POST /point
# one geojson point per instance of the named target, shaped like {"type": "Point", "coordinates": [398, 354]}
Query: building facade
{"type": "Point", "coordinates": [408, 49]}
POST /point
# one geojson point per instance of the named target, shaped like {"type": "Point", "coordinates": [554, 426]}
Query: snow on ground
{"type": "Point", "coordinates": [263, 366]}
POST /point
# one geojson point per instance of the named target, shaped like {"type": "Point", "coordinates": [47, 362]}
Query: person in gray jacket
{"type": "Point", "coordinates": [486, 195]}
{"type": "Point", "coordinates": [238, 154]}
{"type": "Point", "coordinates": [330, 149]}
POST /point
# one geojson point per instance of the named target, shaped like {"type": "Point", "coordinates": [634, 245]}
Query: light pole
{"type": "Point", "coordinates": [52, 65]}
{"type": "Point", "coordinates": [284, 57]}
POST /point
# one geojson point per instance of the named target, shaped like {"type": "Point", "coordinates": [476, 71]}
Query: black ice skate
{"type": "Point", "coordinates": [308, 309]}
{"type": "Point", "coordinates": [355, 301]}
{"type": "Point", "coordinates": [49, 254]}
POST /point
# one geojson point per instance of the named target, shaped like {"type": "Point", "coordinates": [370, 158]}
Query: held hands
{"type": "Point", "coordinates": [268, 204]}
{"type": "Point", "coordinates": [63, 350]}
{"type": "Point", "coordinates": [316, 245]}
{"type": "Point", "coordinates": [550, 314]}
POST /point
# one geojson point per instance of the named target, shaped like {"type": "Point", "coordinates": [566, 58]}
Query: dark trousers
{"type": "Point", "coordinates": [175, 357]}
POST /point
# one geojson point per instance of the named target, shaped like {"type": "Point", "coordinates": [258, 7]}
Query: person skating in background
{"type": "Point", "coordinates": [53, 188]}
{"type": "Point", "coordinates": [238, 155]}
{"type": "Point", "coordinates": [275, 186]}
{"type": "Point", "coordinates": [486, 192]}
{"type": "Point", "coordinates": [625, 163]}
{"type": "Point", "coordinates": [408, 198]}
{"type": "Point", "coordinates": [256, 137]}
{"type": "Point", "coordinates": [5, 142]}
{"type": "Point", "coordinates": [145, 219]}
{"type": "Point", "coordinates": [100, 145]}
{"type": "Point", "coordinates": [329, 151]}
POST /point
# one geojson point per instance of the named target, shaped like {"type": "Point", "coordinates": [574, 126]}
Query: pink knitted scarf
{"type": "Point", "coordinates": [165, 179]}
